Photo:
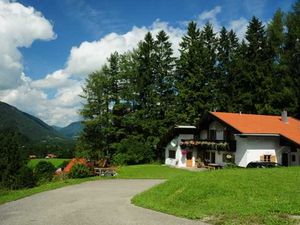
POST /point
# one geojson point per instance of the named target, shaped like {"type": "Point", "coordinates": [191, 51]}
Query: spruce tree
{"type": "Point", "coordinates": [256, 83]}
{"type": "Point", "coordinates": [283, 96]}
{"type": "Point", "coordinates": [292, 51]}
{"type": "Point", "coordinates": [225, 71]}
{"type": "Point", "coordinates": [190, 78]}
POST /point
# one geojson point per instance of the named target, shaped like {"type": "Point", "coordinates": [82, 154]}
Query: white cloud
{"type": "Point", "coordinates": [239, 26]}
{"type": "Point", "coordinates": [61, 107]}
{"type": "Point", "coordinates": [56, 79]}
{"type": "Point", "coordinates": [19, 27]}
{"type": "Point", "coordinates": [90, 56]}
{"type": "Point", "coordinates": [211, 17]}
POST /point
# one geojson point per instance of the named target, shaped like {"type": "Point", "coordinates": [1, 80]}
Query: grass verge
{"type": "Point", "coordinates": [233, 196]}
{"type": "Point", "coordinates": [12, 195]}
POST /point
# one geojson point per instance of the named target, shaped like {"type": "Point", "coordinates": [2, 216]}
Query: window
{"type": "Point", "coordinates": [212, 134]}
{"type": "Point", "coordinates": [172, 154]}
{"type": "Point", "coordinates": [210, 157]}
{"type": "Point", "coordinates": [267, 158]}
{"type": "Point", "coordinates": [293, 158]}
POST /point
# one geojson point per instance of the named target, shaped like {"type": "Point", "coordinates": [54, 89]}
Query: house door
{"type": "Point", "coordinates": [284, 159]}
{"type": "Point", "coordinates": [189, 159]}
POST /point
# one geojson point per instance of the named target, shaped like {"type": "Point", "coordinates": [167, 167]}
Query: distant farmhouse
{"type": "Point", "coordinates": [238, 138]}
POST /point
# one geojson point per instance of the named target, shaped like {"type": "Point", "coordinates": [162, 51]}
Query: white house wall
{"type": "Point", "coordinates": [251, 148]}
{"type": "Point", "coordinates": [180, 160]}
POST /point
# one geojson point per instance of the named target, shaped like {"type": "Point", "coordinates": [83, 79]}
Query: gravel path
{"type": "Point", "coordinates": [103, 202]}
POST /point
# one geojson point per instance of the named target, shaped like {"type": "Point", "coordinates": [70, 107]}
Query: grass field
{"type": "Point", "coordinates": [233, 196]}
{"type": "Point", "coordinates": [150, 172]}
{"type": "Point", "coordinates": [56, 162]}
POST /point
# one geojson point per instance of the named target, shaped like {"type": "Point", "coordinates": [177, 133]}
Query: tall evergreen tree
{"type": "Point", "coordinates": [283, 96]}
{"type": "Point", "coordinates": [190, 78]}
{"type": "Point", "coordinates": [208, 66]}
{"type": "Point", "coordinates": [292, 50]}
{"type": "Point", "coordinates": [226, 63]}
{"type": "Point", "coordinates": [256, 84]}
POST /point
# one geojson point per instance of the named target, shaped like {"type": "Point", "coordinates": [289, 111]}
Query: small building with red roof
{"type": "Point", "coordinates": [238, 138]}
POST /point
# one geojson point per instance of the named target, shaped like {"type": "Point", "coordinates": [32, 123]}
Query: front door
{"type": "Point", "coordinates": [189, 159]}
{"type": "Point", "coordinates": [284, 159]}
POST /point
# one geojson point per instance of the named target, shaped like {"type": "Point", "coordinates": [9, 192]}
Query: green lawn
{"type": "Point", "coordinates": [232, 196]}
{"type": "Point", "coordinates": [150, 172]}
{"type": "Point", "coordinates": [56, 162]}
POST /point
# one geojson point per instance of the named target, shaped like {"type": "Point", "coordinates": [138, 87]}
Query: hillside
{"type": "Point", "coordinates": [70, 131]}
{"type": "Point", "coordinates": [28, 125]}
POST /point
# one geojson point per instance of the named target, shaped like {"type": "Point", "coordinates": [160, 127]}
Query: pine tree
{"type": "Point", "coordinates": [226, 63]}
{"type": "Point", "coordinates": [208, 66]}
{"type": "Point", "coordinates": [164, 90]}
{"type": "Point", "coordinates": [292, 51]}
{"type": "Point", "coordinates": [190, 79]}
{"type": "Point", "coordinates": [283, 96]}
{"type": "Point", "coordinates": [256, 84]}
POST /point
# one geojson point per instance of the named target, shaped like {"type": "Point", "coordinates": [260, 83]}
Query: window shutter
{"type": "Point", "coordinates": [273, 158]}
{"type": "Point", "coordinates": [262, 158]}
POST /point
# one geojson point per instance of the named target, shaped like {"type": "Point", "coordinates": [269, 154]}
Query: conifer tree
{"type": "Point", "coordinates": [292, 51]}
{"type": "Point", "coordinates": [190, 78]}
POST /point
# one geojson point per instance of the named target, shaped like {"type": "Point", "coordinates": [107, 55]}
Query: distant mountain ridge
{"type": "Point", "coordinates": [28, 125]}
{"type": "Point", "coordinates": [71, 131]}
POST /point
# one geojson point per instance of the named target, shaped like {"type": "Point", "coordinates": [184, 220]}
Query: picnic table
{"type": "Point", "coordinates": [109, 171]}
{"type": "Point", "coordinates": [215, 165]}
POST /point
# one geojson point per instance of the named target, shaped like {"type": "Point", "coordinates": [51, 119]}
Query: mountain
{"type": "Point", "coordinates": [72, 130]}
{"type": "Point", "coordinates": [28, 125]}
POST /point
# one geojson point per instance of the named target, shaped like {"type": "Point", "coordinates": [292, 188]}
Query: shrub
{"type": "Point", "coordinates": [24, 178]}
{"type": "Point", "coordinates": [230, 166]}
{"type": "Point", "coordinates": [44, 171]}
{"type": "Point", "coordinates": [79, 171]}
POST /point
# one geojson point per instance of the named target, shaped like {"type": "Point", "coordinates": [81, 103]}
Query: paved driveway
{"type": "Point", "coordinates": [103, 202]}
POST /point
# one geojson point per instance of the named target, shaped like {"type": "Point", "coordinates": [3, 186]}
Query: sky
{"type": "Point", "coordinates": [48, 47]}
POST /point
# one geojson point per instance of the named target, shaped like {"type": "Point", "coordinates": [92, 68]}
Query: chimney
{"type": "Point", "coordinates": [284, 116]}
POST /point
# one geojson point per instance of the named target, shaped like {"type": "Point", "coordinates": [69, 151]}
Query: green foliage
{"type": "Point", "coordinates": [133, 150]}
{"type": "Point", "coordinates": [12, 157]}
{"type": "Point", "coordinates": [44, 171]}
{"type": "Point", "coordinates": [231, 196]}
{"type": "Point", "coordinates": [24, 178]}
{"type": "Point", "coordinates": [79, 171]}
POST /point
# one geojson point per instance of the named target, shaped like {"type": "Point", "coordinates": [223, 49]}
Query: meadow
{"type": "Point", "coordinates": [229, 196]}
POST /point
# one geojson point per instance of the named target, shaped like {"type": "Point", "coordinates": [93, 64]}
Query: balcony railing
{"type": "Point", "coordinates": [219, 145]}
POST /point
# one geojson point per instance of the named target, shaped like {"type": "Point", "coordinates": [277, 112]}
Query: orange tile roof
{"type": "Point", "coordinates": [72, 163]}
{"type": "Point", "coordinates": [262, 124]}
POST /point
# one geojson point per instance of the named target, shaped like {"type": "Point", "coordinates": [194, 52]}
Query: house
{"type": "Point", "coordinates": [238, 138]}
{"type": "Point", "coordinates": [51, 156]}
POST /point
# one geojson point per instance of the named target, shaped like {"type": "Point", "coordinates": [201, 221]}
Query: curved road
{"type": "Point", "coordinates": [103, 202]}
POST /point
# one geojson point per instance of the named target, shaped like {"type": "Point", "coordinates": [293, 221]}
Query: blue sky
{"type": "Point", "coordinates": [56, 43]}
{"type": "Point", "coordinates": [76, 21]}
